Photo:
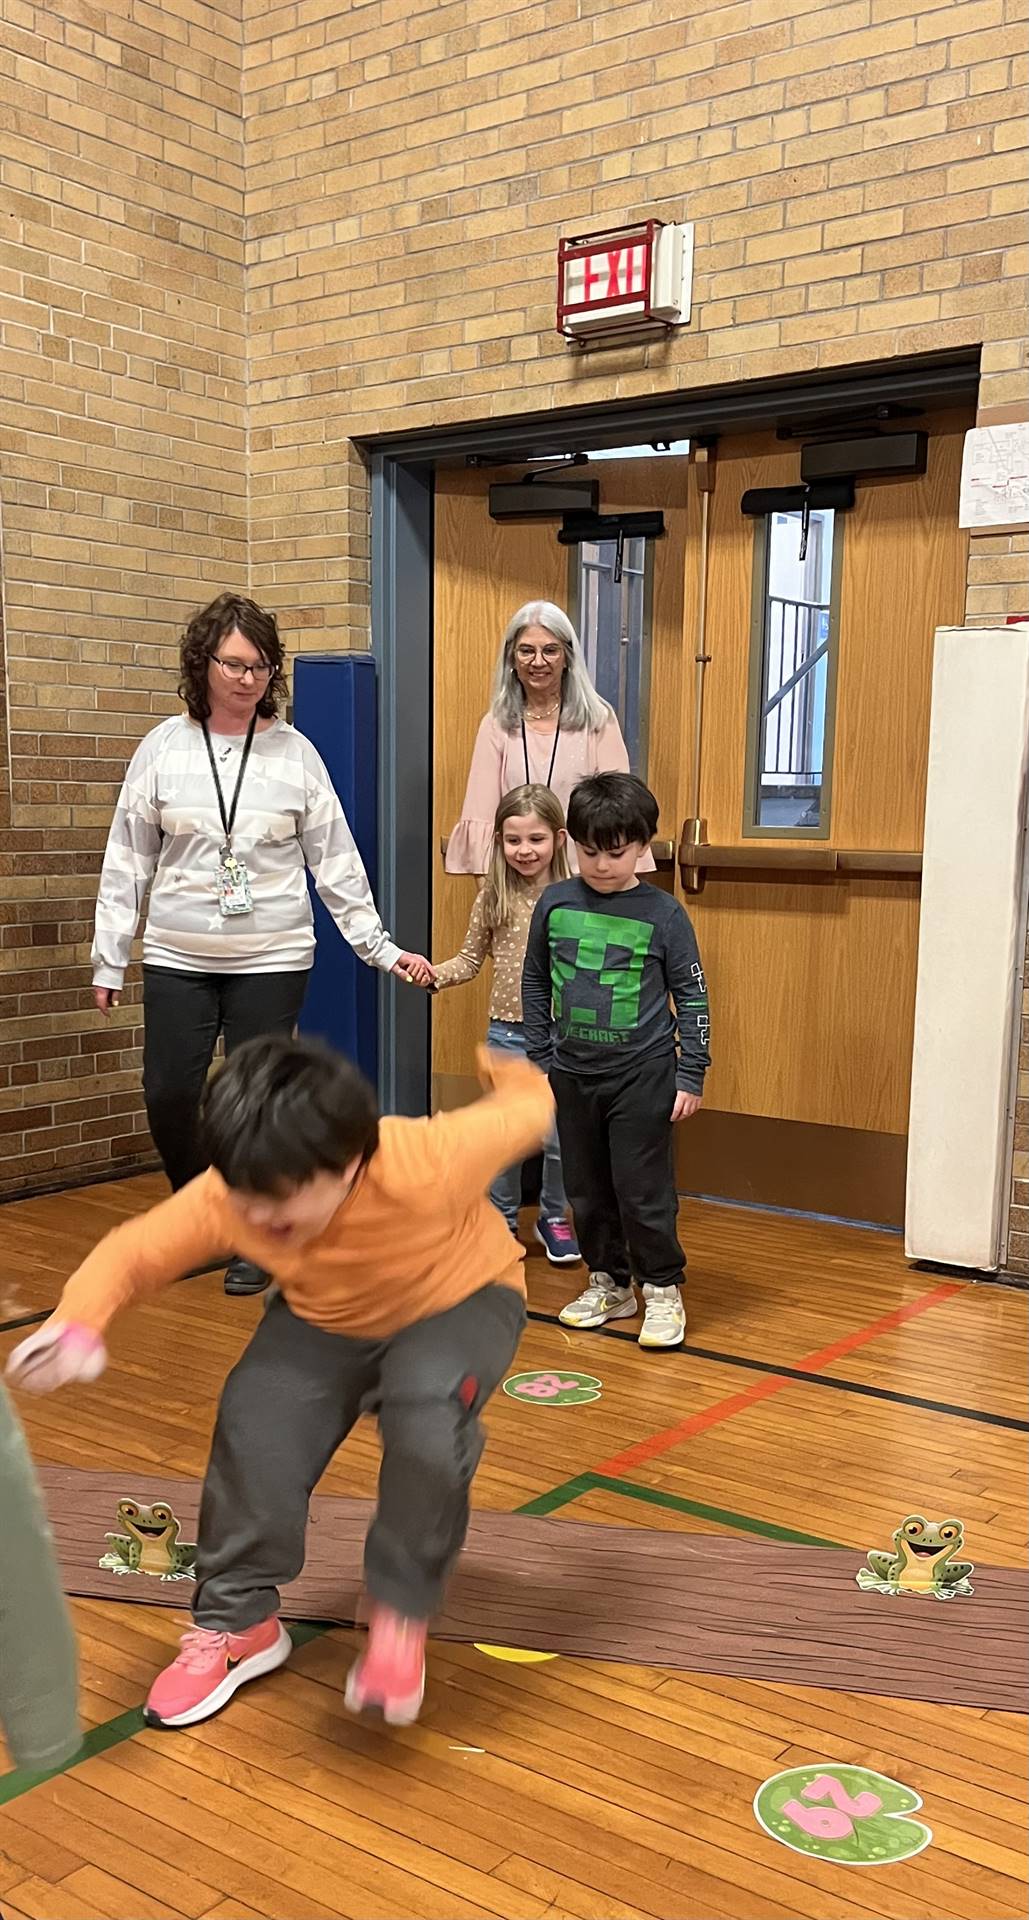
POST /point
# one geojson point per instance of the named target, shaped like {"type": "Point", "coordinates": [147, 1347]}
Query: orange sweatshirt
{"type": "Point", "coordinates": [414, 1236]}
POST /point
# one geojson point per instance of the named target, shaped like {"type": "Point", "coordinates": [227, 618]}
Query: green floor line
{"type": "Point", "coordinates": [124, 1725]}
{"type": "Point", "coordinates": [110, 1733]}
{"type": "Point", "coordinates": [722, 1516]}
{"type": "Point", "coordinates": [558, 1496]}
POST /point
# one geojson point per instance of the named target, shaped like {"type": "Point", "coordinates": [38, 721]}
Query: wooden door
{"type": "Point", "coordinates": [484, 571]}
{"type": "Point", "coordinates": [812, 976]}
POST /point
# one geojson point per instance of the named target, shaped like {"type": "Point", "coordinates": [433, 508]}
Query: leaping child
{"type": "Point", "coordinates": [399, 1287]}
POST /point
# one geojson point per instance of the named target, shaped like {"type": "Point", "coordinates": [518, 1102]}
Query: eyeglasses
{"type": "Point", "coordinates": [550, 656]}
{"type": "Point", "coordinates": [238, 669]}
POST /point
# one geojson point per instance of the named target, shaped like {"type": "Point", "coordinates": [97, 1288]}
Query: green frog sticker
{"type": "Point", "coordinates": [150, 1543]}
{"type": "Point", "coordinates": [923, 1561]}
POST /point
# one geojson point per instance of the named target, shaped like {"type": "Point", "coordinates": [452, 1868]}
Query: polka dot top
{"type": "Point", "coordinates": [507, 947]}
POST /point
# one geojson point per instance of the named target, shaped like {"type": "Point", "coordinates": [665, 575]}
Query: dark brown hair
{"type": "Point", "coordinates": [608, 810]}
{"type": "Point", "coordinates": [282, 1110]}
{"type": "Point", "coordinates": [205, 632]}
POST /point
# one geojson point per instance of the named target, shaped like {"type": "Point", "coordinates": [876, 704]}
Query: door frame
{"type": "Point", "coordinates": [402, 467]}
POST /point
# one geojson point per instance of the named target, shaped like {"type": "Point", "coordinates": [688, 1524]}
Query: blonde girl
{"type": "Point", "coordinates": [528, 852]}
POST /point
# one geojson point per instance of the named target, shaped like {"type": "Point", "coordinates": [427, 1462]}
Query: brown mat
{"type": "Point", "coordinates": [705, 1603]}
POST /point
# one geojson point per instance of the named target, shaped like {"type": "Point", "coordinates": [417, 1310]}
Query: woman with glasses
{"type": "Point", "coordinates": [223, 810]}
{"type": "Point", "coordinates": [547, 725]}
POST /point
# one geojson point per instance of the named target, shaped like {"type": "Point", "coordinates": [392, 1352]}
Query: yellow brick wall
{"type": "Point", "coordinates": [856, 173]}
{"type": "Point", "coordinates": [180, 371]}
{"type": "Point", "coordinates": [122, 495]}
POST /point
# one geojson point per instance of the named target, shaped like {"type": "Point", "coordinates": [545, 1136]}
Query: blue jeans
{"type": "Point", "coordinates": [506, 1192]}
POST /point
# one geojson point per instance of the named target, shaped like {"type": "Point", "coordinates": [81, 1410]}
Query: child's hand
{"type": "Point", "coordinates": [685, 1106]}
{"type": "Point", "coordinates": [54, 1356]}
{"type": "Point", "coordinates": [415, 969]}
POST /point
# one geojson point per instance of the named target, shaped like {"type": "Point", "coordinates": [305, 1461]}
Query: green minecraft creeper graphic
{"type": "Point", "coordinates": [596, 938]}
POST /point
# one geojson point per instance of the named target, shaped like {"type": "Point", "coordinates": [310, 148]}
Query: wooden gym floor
{"type": "Point", "coordinates": [575, 1787]}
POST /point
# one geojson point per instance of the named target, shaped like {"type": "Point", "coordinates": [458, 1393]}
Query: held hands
{"type": "Point", "coordinates": [57, 1354]}
{"type": "Point", "coordinates": [685, 1106]}
{"type": "Point", "coordinates": [106, 998]}
{"type": "Point", "coordinates": [416, 970]}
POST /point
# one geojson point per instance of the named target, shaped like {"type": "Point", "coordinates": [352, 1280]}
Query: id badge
{"type": "Point", "coordinates": [233, 886]}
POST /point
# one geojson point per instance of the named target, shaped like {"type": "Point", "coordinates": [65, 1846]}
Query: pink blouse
{"type": "Point", "coordinates": [498, 765]}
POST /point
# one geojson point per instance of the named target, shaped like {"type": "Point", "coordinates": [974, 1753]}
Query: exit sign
{"type": "Point", "coordinates": [625, 282]}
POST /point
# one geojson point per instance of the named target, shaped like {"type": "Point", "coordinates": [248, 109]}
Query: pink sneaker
{"type": "Point", "coordinates": [390, 1673]}
{"type": "Point", "coordinates": [208, 1670]}
{"type": "Point", "coordinates": [558, 1242]}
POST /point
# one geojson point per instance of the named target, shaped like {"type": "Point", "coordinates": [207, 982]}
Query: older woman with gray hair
{"type": "Point", "coordinates": [546, 724]}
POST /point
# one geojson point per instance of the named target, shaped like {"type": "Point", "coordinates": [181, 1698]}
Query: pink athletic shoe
{"type": "Point", "coordinates": [390, 1673]}
{"type": "Point", "coordinates": [208, 1670]}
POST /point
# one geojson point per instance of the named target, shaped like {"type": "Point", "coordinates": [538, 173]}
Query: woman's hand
{"type": "Point", "coordinates": [57, 1354]}
{"type": "Point", "coordinates": [685, 1106]}
{"type": "Point", "coordinates": [106, 998]}
{"type": "Point", "coordinates": [416, 970]}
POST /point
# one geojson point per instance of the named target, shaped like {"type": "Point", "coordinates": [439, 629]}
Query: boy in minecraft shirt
{"type": "Point", "coordinates": [605, 952]}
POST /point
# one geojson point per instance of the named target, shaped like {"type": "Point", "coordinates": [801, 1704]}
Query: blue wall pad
{"type": "Point", "coordinates": [335, 704]}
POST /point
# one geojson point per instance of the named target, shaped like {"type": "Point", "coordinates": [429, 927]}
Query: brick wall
{"type": "Point", "coordinates": [857, 177]}
{"type": "Point", "coordinates": [122, 496]}
{"type": "Point", "coordinates": [856, 172]}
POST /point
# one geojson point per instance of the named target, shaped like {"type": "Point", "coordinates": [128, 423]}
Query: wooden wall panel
{"type": "Point", "coordinates": [483, 573]}
{"type": "Point", "coordinates": [904, 562]}
{"type": "Point", "coordinates": [812, 998]}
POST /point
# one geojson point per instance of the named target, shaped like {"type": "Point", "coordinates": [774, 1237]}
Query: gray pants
{"type": "Point", "coordinates": [290, 1403]}
{"type": "Point", "coordinates": [38, 1663]}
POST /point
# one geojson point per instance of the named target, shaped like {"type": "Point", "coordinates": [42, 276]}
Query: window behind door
{"type": "Point", "coordinates": [613, 617]}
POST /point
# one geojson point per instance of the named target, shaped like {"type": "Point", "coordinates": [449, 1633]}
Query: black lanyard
{"type": "Point", "coordinates": [553, 757]}
{"type": "Point", "coordinates": [229, 819]}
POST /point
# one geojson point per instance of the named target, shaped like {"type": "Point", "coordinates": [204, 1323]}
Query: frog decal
{"type": "Point", "coordinates": [150, 1543]}
{"type": "Point", "coordinates": [923, 1561]}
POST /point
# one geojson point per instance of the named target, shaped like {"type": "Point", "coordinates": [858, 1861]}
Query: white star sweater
{"type": "Point", "coordinates": [167, 835]}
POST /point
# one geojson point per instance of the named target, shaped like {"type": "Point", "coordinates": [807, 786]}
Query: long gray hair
{"type": "Point", "coordinates": [582, 709]}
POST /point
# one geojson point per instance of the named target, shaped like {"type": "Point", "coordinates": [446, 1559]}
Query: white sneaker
{"type": "Point", "coordinates": [599, 1302]}
{"type": "Point", "coordinates": [664, 1317]}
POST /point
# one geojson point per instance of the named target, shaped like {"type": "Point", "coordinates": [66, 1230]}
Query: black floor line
{"type": "Point", "coordinates": [819, 1380]}
{"type": "Point", "coordinates": [753, 1366]}
{"type": "Point", "coordinates": [25, 1320]}
{"type": "Point", "coordinates": [33, 1319]}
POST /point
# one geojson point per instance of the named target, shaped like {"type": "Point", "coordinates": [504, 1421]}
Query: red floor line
{"type": "Point", "coordinates": [774, 1383]}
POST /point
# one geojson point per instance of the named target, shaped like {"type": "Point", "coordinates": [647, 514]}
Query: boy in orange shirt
{"type": "Point", "coordinates": [399, 1290]}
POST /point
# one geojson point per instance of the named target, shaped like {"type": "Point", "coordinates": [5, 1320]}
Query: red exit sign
{"type": "Point", "coordinates": [625, 281]}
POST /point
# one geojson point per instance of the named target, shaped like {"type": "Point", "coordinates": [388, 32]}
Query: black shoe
{"type": "Point", "coordinates": [241, 1276]}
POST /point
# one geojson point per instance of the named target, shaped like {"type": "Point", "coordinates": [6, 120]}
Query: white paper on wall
{"type": "Point", "coordinates": [995, 476]}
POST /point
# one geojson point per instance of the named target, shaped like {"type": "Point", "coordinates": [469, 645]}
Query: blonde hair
{"type": "Point", "coordinates": [502, 883]}
{"type": "Point", "coordinates": [582, 709]}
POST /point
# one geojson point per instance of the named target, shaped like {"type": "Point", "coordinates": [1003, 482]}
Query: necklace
{"type": "Point", "coordinates": [531, 713]}
{"type": "Point", "coordinates": [553, 751]}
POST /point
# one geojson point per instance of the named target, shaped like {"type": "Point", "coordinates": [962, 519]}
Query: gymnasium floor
{"type": "Point", "coordinates": [571, 1787]}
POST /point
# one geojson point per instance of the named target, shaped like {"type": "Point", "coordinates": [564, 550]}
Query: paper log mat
{"type": "Point", "coordinates": [703, 1603]}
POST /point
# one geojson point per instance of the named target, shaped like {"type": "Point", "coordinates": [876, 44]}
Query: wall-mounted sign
{"type": "Point", "coordinates": [626, 282]}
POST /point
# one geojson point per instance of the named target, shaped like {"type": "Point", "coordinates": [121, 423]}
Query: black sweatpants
{"type": "Point", "coordinates": [183, 1014]}
{"type": "Point", "coordinates": [291, 1401]}
{"type": "Point", "coordinates": [615, 1130]}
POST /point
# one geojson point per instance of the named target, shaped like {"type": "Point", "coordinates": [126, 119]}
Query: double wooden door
{"type": "Point", "coordinates": [811, 972]}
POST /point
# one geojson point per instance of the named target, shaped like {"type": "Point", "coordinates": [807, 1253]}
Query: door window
{"type": "Point", "coordinates": [613, 616]}
{"type": "Point", "coordinates": [795, 617]}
